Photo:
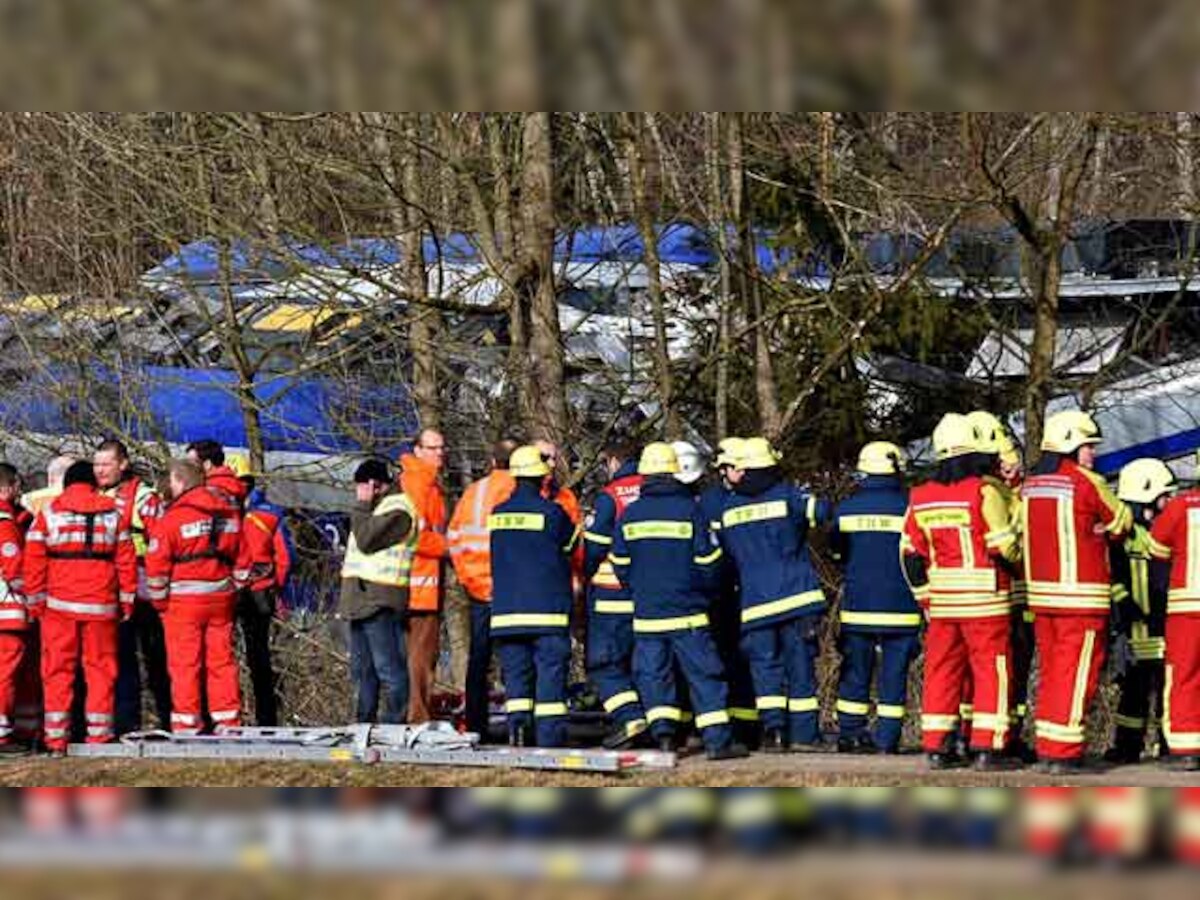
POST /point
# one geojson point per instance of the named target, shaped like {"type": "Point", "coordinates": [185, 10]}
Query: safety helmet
{"type": "Point", "coordinates": [756, 453]}
{"type": "Point", "coordinates": [881, 458]}
{"type": "Point", "coordinates": [729, 450]}
{"type": "Point", "coordinates": [658, 459]}
{"type": "Point", "coordinates": [1144, 481]}
{"type": "Point", "coordinates": [527, 462]}
{"type": "Point", "coordinates": [953, 437]}
{"type": "Point", "coordinates": [1066, 432]}
{"type": "Point", "coordinates": [990, 434]}
{"type": "Point", "coordinates": [238, 462]}
{"type": "Point", "coordinates": [691, 463]}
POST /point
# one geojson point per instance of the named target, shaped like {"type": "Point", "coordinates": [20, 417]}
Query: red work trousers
{"type": "Point", "coordinates": [200, 651]}
{"type": "Point", "coordinates": [1071, 651]}
{"type": "Point", "coordinates": [1181, 709]}
{"type": "Point", "coordinates": [959, 652]}
{"type": "Point", "coordinates": [64, 640]}
{"type": "Point", "coordinates": [12, 654]}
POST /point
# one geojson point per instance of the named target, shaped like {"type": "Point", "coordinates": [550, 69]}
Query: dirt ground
{"type": "Point", "coordinates": [806, 770]}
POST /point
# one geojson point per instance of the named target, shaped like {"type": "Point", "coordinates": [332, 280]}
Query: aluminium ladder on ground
{"type": "Point", "coordinates": [411, 745]}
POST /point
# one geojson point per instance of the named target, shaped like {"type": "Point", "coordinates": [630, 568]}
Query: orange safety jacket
{"type": "Point", "coordinates": [1173, 538]}
{"type": "Point", "coordinates": [964, 533]}
{"type": "Point", "coordinates": [1069, 519]}
{"type": "Point", "coordinates": [419, 480]}
{"type": "Point", "coordinates": [468, 535]}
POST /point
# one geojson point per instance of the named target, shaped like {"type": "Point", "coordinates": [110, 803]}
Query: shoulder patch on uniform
{"type": "Point", "coordinates": [9, 550]}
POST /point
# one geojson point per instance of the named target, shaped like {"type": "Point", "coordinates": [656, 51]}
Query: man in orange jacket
{"type": "Point", "coordinates": [193, 568]}
{"type": "Point", "coordinates": [419, 471]}
{"type": "Point", "coordinates": [80, 577]}
{"type": "Point", "coordinates": [470, 552]}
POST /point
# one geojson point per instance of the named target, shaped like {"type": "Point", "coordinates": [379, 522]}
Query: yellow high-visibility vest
{"type": "Point", "coordinates": [389, 566]}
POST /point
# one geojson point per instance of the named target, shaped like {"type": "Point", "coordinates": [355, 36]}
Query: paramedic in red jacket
{"type": "Point", "coordinates": [190, 571]}
{"type": "Point", "coordinates": [221, 471]}
{"type": "Point", "coordinates": [14, 621]}
{"type": "Point", "coordinates": [80, 578]}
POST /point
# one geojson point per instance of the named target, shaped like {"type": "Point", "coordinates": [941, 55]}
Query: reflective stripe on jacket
{"type": "Point", "coordinates": [196, 549]}
{"type": "Point", "coordinates": [1070, 517]}
{"type": "Point", "coordinates": [419, 481]}
{"type": "Point", "coordinates": [391, 566]}
{"type": "Point", "coordinates": [532, 540]}
{"type": "Point", "coordinates": [78, 554]}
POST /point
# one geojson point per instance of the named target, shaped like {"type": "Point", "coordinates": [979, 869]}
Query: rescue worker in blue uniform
{"type": "Point", "coordinates": [764, 527]}
{"type": "Point", "coordinates": [664, 552]}
{"type": "Point", "coordinates": [610, 606]}
{"type": "Point", "coordinates": [880, 619]}
{"type": "Point", "coordinates": [532, 541]}
{"type": "Point", "coordinates": [726, 609]}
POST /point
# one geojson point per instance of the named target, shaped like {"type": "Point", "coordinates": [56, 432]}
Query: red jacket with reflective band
{"type": "Point", "coordinates": [126, 496]}
{"type": "Point", "coordinates": [12, 578]}
{"type": "Point", "coordinates": [1171, 538]}
{"type": "Point", "coordinates": [265, 550]}
{"type": "Point", "coordinates": [197, 546]}
{"type": "Point", "coordinates": [1069, 519]}
{"type": "Point", "coordinates": [71, 572]}
{"type": "Point", "coordinates": [947, 527]}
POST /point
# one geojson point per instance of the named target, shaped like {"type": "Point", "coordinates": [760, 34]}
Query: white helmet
{"type": "Point", "coordinates": [691, 463]}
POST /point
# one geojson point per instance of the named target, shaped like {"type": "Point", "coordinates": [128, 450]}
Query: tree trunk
{"type": "Point", "coordinates": [1045, 275]}
{"type": "Point", "coordinates": [545, 403]}
{"type": "Point", "coordinates": [718, 219]}
{"type": "Point", "coordinates": [423, 321]}
{"type": "Point", "coordinates": [645, 183]}
{"type": "Point", "coordinates": [764, 371]}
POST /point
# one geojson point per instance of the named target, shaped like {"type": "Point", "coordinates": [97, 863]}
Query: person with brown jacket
{"type": "Point", "coordinates": [375, 591]}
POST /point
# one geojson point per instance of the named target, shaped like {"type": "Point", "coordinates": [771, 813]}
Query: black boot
{"type": "Point", "coordinates": [625, 735]}
{"type": "Point", "coordinates": [860, 744]}
{"type": "Point", "coordinates": [729, 751]}
{"type": "Point", "coordinates": [1188, 763]}
{"type": "Point", "coordinates": [667, 743]}
{"type": "Point", "coordinates": [773, 741]}
{"type": "Point", "coordinates": [945, 759]}
{"type": "Point", "coordinates": [1064, 767]}
{"type": "Point", "coordinates": [987, 761]}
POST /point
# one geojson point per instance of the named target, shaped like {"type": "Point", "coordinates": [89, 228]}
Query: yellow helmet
{"type": "Point", "coordinates": [881, 458]}
{"type": "Point", "coordinates": [953, 437]}
{"type": "Point", "coordinates": [756, 453]}
{"type": "Point", "coordinates": [658, 459]}
{"type": "Point", "coordinates": [1144, 481]}
{"type": "Point", "coordinates": [239, 462]}
{"type": "Point", "coordinates": [729, 450]}
{"type": "Point", "coordinates": [1067, 431]}
{"type": "Point", "coordinates": [990, 434]}
{"type": "Point", "coordinates": [527, 462]}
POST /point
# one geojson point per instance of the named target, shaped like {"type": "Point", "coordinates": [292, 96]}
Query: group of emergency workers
{"type": "Point", "coordinates": [99, 565]}
{"type": "Point", "coordinates": [704, 607]}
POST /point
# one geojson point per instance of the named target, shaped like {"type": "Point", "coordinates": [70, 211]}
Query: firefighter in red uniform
{"type": "Point", "coordinates": [1173, 538]}
{"type": "Point", "coordinates": [80, 577]}
{"type": "Point", "coordinates": [958, 537]}
{"type": "Point", "coordinates": [14, 621]}
{"type": "Point", "coordinates": [190, 569]}
{"type": "Point", "coordinates": [1070, 517]}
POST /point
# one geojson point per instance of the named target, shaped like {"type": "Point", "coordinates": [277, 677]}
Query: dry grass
{"type": "Point", "coordinates": [791, 771]}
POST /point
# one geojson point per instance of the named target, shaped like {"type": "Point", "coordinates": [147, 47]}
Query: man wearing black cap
{"type": "Point", "coordinates": [375, 591]}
